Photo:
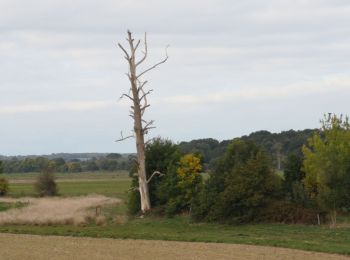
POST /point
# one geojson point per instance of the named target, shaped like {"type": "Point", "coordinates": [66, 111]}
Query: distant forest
{"type": "Point", "coordinates": [277, 145]}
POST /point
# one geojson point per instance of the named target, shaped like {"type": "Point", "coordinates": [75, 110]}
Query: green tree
{"type": "Point", "coordinates": [161, 156]}
{"type": "Point", "coordinates": [294, 175]}
{"type": "Point", "coordinates": [1, 167]}
{"type": "Point", "coordinates": [181, 185]}
{"type": "Point", "coordinates": [327, 165]}
{"type": "Point", "coordinates": [241, 185]}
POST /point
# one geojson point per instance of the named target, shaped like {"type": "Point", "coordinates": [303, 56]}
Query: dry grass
{"type": "Point", "coordinates": [52, 211]}
{"type": "Point", "coordinates": [51, 247]}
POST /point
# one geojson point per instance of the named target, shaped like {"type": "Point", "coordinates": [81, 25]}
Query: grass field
{"type": "Point", "coordinates": [113, 184]}
{"type": "Point", "coordinates": [313, 238]}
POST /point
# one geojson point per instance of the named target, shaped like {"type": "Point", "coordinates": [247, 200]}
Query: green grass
{"type": "Point", "coordinates": [112, 184]}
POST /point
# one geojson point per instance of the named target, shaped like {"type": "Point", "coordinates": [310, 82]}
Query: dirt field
{"type": "Point", "coordinates": [50, 247]}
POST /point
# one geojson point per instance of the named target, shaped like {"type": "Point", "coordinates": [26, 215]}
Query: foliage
{"type": "Point", "coordinates": [179, 188]}
{"type": "Point", "coordinates": [1, 167]}
{"type": "Point", "coordinates": [110, 162]}
{"type": "Point", "coordinates": [172, 192]}
{"type": "Point", "coordinates": [327, 164]}
{"type": "Point", "coordinates": [241, 186]}
{"type": "Point", "coordinates": [45, 184]}
{"type": "Point", "coordinates": [4, 186]}
{"type": "Point", "coordinates": [277, 145]}
{"type": "Point", "coordinates": [294, 175]}
{"type": "Point", "coordinates": [291, 213]}
{"type": "Point", "coordinates": [161, 155]}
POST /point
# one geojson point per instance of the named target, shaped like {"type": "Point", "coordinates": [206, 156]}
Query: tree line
{"type": "Point", "coordinates": [243, 184]}
{"type": "Point", "coordinates": [111, 162]}
{"type": "Point", "coordinates": [277, 145]}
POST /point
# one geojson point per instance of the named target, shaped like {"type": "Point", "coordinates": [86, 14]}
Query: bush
{"type": "Point", "coordinates": [45, 184]}
{"type": "Point", "coordinates": [291, 213]}
{"type": "Point", "coordinates": [4, 186]}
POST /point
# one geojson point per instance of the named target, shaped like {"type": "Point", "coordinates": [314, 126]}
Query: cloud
{"type": "Point", "coordinates": [330, 85]}
{"type": "Point", "coordinates": [58, 106]}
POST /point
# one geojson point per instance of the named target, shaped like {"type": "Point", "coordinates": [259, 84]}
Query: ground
{"type": "Point", "coordinates": [51, 247]}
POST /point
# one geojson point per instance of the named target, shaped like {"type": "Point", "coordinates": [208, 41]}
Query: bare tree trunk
{"type": "Point", "coordinates": [141, 126]}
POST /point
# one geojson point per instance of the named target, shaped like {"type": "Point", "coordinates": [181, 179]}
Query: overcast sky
{"type": "Point", "coordinates": [234, 67]}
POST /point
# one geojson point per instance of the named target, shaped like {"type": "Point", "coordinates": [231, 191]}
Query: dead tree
{"type": "Point", "coordinates": [138, 95]}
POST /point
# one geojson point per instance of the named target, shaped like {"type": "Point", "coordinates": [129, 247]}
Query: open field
{"type": "Point", "coordinates": [69, 176]}
{"type": "Point", "coordinates": [112, 184]}
{"type": "Point", "coordinates": [16, 247]}
{"type": "Point", "coordinates": [311, 238]}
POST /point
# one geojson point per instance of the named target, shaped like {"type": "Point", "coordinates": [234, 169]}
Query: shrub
{"type": "Point", "coordinates": [45, 184]}
{"type": "Point", "coordinates": [4, 186]}
{"type": "Point", "coordinates": [291, 213]}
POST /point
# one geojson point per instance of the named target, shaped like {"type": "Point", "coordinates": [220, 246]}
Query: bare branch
{"type": "Point", "coordinates": [143, 109]}
{"type": "Point", "coordinates": [141, 85]}
{"type": "Point", "coordinates": [126, 95]}
{"type": "Point", "coordinates": [155, 173]}
{"type": "Point", "coordinates": [124, 138]}
{"type": "Point", "coordinates": [155, 65]}
{"type": "Point", "coordinates": [145, 94]}
{"type": "Point", "coordinates": [144, 53]}
{"type": "Point", "coordinates": [137, 45]}
{"type": "Point", "coordinates": [125, 52]}
{"type": "Point", "coordinates": [148, 124]}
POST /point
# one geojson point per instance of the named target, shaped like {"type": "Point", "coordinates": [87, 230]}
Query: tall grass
{"type": "Point", "coordinates": [54, 211]}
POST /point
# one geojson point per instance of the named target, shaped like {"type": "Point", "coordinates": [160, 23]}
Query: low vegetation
{"type": "Point", "coordinates": [55, 211]}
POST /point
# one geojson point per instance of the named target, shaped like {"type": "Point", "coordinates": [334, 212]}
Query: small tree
{"type": "Point", "coordinates": [327, 165]}
{"type": "Point", "coordinates": [45, 184]}
{"type": "Point", "coordinates": [138, 98]}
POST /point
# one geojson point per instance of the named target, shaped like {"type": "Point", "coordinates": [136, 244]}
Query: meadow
{"type": "Point", "coordinates": [180, 228]}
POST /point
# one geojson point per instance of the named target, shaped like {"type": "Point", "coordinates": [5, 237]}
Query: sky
{"type": "Point", "coordinates": [234, 67]}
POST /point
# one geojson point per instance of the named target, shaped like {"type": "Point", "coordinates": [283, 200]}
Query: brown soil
{"type": "Point", "coordinates": [51, 247]}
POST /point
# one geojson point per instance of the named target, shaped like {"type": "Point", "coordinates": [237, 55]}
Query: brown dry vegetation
{"type": "Point", "coordinates": [50, 211]}
{"type": "Point", "coordinates": [51, 247]}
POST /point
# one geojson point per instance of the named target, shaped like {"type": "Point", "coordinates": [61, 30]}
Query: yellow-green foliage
{"type": "Point", "coordinates": [327, 165]}
{"type": "Point", "coordinates": [190, 167]}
